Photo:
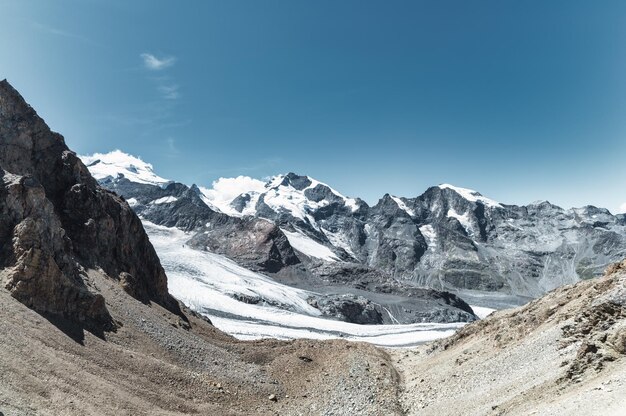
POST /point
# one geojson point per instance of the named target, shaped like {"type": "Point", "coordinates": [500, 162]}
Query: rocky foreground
{"type": "Point", "coordinates": [563, 354]}
{"type": "Point", "coordinates": [155, 363]}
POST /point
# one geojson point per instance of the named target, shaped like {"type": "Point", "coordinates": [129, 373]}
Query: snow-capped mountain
{"type": "Point", "coordinates": [292, 202]}
{"type": "Point", "coordinates": [290, 196]}
{"type": "Point", "coordinates": [280, 238]}
{"type": "Point", "coordinates": [117, 164]}
{"type": "Point", "coordinates": [448, 238]}
{"type": "Point", "coordinates": [454, 238]}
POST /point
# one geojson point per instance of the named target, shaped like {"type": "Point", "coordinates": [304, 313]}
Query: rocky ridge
{"type": "Point", "coordinates": [449, 238]}
{"type": "Point", "coordinates": [56, 222]}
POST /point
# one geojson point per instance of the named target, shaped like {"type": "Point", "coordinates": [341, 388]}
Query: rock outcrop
{"type": "Point", "coordinates": [56, 221]}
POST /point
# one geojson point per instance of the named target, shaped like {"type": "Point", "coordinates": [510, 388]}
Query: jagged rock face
{"type": "Point", "coordinates": [56, 221]}
{"type": "Point", "coordinates": [452, 238]}
{"type": "Point", "coordinates": [35, 263]}
{"type": "Point", "coordinates": [254, 243]}
{"type": "Point", "coordinates": [475, 243]}
{"type": "Point", "coordinates": [394, 241]}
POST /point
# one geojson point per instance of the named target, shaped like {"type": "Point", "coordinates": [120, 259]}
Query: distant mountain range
{"type": "Point", "coordinates": [449, 238]}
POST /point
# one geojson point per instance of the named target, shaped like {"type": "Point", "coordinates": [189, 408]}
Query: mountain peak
{"type": "Point", "coordinates": [471, 195]}
{"type": "Point", "coordinates": [298, 182]}
{"type": "Point", "coordinates": [117, 164]}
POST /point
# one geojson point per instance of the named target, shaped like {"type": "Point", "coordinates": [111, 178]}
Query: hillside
{"type": "Point", "coordinates": [563, 354]}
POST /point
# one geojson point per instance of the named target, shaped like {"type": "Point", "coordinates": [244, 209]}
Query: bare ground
{"type": "Point", "coordinates": [563, 354]}
{"type": "Point", "coordinates": [153, 365]}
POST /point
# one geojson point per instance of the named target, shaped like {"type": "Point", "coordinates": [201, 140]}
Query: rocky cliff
{"type": "Point", "coordinates": [56, 222]}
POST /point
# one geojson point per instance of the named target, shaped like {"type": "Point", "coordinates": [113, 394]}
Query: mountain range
{"type": "Point", "coordinates": [449, 239]}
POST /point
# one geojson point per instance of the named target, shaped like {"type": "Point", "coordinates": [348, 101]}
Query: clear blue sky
{"type": "Point", "coordinates": [521, 100]}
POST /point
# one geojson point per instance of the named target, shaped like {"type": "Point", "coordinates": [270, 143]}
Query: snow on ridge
{"type": "Point", "coordinates": [116, 163]}
{"type": "Point", "coordinates": [279, 197]}
{"type": "Point", "coordinates": [276, 184]}
{"type": "Point", "coordinates": [308, 246]}
{"type": "Point", "coordinates": [164, 200]}
{"type": "Point", "coordinates": [471, 195]}
{"type": "Point", "coordinates": [463, 219]}
{"type": "Point", "coordinates": [403, 206]}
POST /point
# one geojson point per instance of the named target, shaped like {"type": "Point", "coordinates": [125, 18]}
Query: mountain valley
{"type": "Point", "coordinates": [115, 285]}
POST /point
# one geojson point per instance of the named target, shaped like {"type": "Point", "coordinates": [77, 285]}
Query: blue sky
{"type": "Point", "coordinates": [521, 100]}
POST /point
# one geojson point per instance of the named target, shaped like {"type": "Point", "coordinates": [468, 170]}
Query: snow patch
{"type": "Point", "coordinates": [339, 240]}
{"type": "Point", "coordinates": [481, 311]}
{"type": "Point", "coordinates": [308, 246]}
{"type": "Point", "coordinates": [403, 206]}
{"type": "Point", "coordinates": [463, 219]}
{"type": "Point", "coordinates": [471, 195]}
{"type": "Point", "coordinates": [164, 200]}
{"type": "Point", "coordinates": [429, 234]}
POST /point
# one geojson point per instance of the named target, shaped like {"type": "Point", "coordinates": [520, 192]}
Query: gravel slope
{"type": "Point", "coordinates": [154, 364]}
{"type": "Point", "coordinates": [563, 354]}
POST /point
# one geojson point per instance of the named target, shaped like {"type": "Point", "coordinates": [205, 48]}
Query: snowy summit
{"type": "Point", "coordinates": [117, 164]}
{"type": "Point", "coordinates": [471, 195]}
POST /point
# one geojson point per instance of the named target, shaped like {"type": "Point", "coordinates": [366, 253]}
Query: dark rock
{"type": "Point", "coordinates": [57, 221]}
{"type": "Point", "coordinates": [349, 308]}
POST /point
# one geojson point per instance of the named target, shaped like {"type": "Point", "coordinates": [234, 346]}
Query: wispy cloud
{"type": "Point", "coordinates": [153, 63]}
{"type": "Point", "coordinates": [164, 84]}
{"type": "Point", "coordinates": [169, 92]}
{"type": "Point", "coordinates": [171, 147]}
{"type": "Point", "coordinates": [622, 208]}
{"type": "Point", "coordinates": [159, 114]}
{"type": "Point", "coordinates": [63, 33]}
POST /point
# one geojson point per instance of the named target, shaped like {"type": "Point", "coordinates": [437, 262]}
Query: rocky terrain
{"type": "Point", "coordinates": [56, 221]}
{"type": "Point", "coordinates": [563, 354]}
{"type": "Point", "coordinates": [158, 363]}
